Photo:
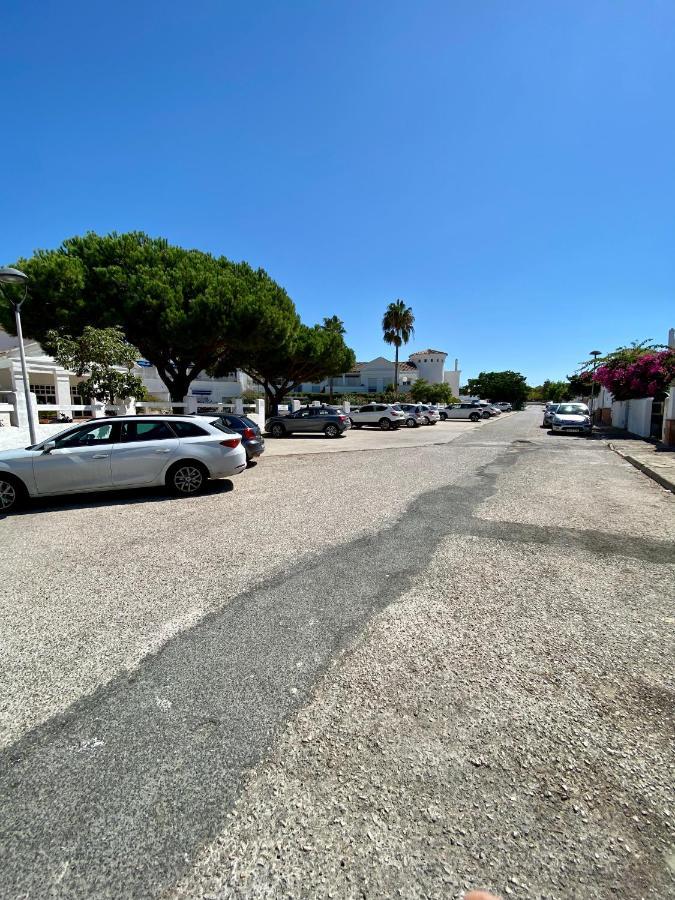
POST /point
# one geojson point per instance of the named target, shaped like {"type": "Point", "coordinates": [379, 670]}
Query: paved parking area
{"type": "Point", "coordinates": [357, 673]}
{"type": "Point", "coordinates": [375, 438]}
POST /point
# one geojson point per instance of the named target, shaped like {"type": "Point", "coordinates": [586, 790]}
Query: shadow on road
{"type": "Point", "coordinates": [113, 498]}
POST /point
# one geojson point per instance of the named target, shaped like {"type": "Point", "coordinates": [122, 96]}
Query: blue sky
{"type": "Point", "coordinates": [507, 168]}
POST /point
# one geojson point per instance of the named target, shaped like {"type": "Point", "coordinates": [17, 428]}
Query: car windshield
{"type": "Point", "coordinates": [570, 409]}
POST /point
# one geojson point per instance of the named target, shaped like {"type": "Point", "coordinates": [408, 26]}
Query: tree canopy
{"type": "Point", "coordinates": [309, 354]}
{"type": "Point", "coordinates": [497, 386]}
{"type": "Point", "coordinates": [557, 391]}
{"type": "Point", "coordinates": [424, 392]}
{"type": "Point", "coordinates": [98, 355]}
{"type": "Point", "coordinates": [187, 311]}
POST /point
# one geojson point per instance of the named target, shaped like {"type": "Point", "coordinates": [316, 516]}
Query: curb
{"type": "Point", "coordinates": [645, 469]}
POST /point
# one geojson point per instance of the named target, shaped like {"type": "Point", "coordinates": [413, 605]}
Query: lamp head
{"type": "Point", "coordinates": [12, 276]}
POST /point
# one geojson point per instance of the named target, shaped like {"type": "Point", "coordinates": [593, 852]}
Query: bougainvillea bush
{"type": "Point", "coordinates": [631, 373]}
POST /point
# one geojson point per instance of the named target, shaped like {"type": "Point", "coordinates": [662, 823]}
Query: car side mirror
{"type": "Point", "coordinates": [49, 446]}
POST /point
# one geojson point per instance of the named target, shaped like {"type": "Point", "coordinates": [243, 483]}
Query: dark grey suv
{"type": "Point", "coordinates": [311, 419]}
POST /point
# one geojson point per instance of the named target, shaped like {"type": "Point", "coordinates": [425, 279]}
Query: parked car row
{"type": "Point", "coordinates": [333, 421]}
{"type": "Point", "coordinates": [181, 452]}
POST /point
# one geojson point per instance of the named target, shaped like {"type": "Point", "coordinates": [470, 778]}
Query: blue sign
{"type": "Point", "coordinates": [143, 363]}
{"type": "Point", "coordinates": [196, 393]}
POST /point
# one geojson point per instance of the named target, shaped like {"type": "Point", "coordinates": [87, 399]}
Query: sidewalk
{"type": "Point", "coordinates": [655, 460]}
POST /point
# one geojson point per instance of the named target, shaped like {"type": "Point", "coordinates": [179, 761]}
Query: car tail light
{"type": "Point", "coordinates": [342, 418]}
{"type": "Point", "coordinates": [230, 442]}
{"type": "Point", "coordinates": [249, 434]}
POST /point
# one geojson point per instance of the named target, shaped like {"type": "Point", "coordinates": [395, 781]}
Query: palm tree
{"type": "Point", "coordinates": [334, 325]}
{"type": "Point", "coordinates": [397, 324]}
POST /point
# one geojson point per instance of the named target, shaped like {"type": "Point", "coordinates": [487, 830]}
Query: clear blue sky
{"type": "Point", "coordinates": [507, 168]}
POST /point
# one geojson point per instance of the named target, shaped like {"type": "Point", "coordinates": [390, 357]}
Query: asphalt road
{"type": "Point", "coordinates": [210, 697]}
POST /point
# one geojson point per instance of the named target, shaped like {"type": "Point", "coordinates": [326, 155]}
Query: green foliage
{"type": "Point", "coordinates": [558, 391]}
{"type": "Point", "coordinates": [497, 386]}
{"type": "Point", "coordinates": [307, 355]}
{"type": "Point", "coordinates": [398, 327]}
{"type": "Point", "coordinates": [186, 311]}
{"type": "Point", "coordinates": [98, 355]}
{"type": "Point", "coordinates": [424, 392]}
{"type": "Point", "coordinates": [250, 395]}
{"type": "Point", "coordinates": [334, 325]}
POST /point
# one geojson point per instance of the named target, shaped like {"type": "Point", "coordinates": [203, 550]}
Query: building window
{"type": "Point", "coordinates": [44, 393]}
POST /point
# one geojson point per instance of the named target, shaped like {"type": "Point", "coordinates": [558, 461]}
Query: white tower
{"type": "Point", "coordinates": [430, 365]}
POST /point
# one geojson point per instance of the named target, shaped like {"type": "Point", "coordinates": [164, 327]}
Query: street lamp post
{"type": "Point", "coordinates": [595, 354]}
{"type": "Point", "coordinates": [14, 276]}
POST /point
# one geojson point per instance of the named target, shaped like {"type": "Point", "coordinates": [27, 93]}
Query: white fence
{"type": "Point", "coordinates": [13, 409]}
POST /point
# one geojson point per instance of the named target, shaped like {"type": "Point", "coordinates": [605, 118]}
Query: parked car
{"type": "Point", "coordinates": [461, 411]}
{"type": "Point", "coordinates": [504, 405]}
{"type": "Point", "coordinates": [252, 439]}
{"type": "Point", "coordinates": [489, 410]}
{"type": "Point", "coordinates": [181, 452]}
{"type": "Point", "coordinates": [549, 411]}
{"type": "Point", "coordinates": [553, 409]}
{"type": "Point", "coordinates": [431, 415]}
{"type": "Point", "coordinates": [384, 415]}
{"type": "Point", "coordinates": [413, 414]}
{"type": "Point", "coordinates": [309, 420]}
{"type": "Point", "coordinates": [572, 418]}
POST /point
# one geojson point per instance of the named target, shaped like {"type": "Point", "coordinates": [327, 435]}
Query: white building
{"type": "Point", "coordinates": [375, 376]}
{"type": "Point", "coordinates": [55, 390]}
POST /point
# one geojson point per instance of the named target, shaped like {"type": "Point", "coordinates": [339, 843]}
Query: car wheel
{"type": "Point", "coordinates": [475, 417]}
{"type": "Point", "coordinates": [187, 478]}
{"type": "Point", "coordinates": [385, 424]}
{"type": "Point", "coordinates": [425, 420]}
{"type": "Point", "coordinates": [410, 423]}
{"type": "Point", "coordinates": [331, 431]}
{"type": "Point", "coordinates": [11, 493]}
{"type": "Point", "coordinates": [444, 418]}
{"type": "Point", "coordinates": [277, 430]}
{"type": "Point", "coordinates": [486, 415]}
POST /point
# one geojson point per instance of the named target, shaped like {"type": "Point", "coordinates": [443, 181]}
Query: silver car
{"type": "Point", "coordinates": [181, 452]}
{"type": "Point", "coordinates": [549, 412]}
{"type": "Point", "coordinates": [429, 415]}
{"type": "Point", "coordinates": [413, 414]}
{"type": "Point", "coordinates": [572, 418]}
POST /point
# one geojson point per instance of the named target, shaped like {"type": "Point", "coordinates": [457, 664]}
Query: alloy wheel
{"type": "Point", "coordinates": [8, 495]}
{"type": "Point", "coordinates": [188, 479]}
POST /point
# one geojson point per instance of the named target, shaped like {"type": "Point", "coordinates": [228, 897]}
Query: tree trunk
{"type": "Point", "coordinates": [178, 384]}
{"type": "Point", "coordinates": [330, 390]}
{"type": "Point", "coordinates": [396, 371]}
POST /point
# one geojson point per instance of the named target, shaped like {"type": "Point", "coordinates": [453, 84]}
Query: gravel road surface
{"type": "Point", "coordinates": [403, 672]}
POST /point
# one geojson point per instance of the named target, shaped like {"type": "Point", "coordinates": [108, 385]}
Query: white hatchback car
{"type": "Point", "coordinates": [181, 452]}
{"type": "Point", "coordinates": [462, 411]}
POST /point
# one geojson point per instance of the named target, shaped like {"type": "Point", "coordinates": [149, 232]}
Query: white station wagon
{"type": "Point", "coordinates": [181, 452]}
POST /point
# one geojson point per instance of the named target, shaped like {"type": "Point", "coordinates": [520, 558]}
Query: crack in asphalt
{"type": "Point", "coordinates": [114, 797]}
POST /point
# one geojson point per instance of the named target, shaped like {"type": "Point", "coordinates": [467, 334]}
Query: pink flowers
{"type": "Point", "coordinates": [646, 376]}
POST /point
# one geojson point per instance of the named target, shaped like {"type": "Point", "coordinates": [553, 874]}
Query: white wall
{"type": "Point", "coordinates": [639, 416]}
{"type": "Point", "coordinates": [452, 380]}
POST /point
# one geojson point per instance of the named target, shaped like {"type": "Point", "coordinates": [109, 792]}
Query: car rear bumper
{"type": "Point", "coordinates": [254, 448]}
